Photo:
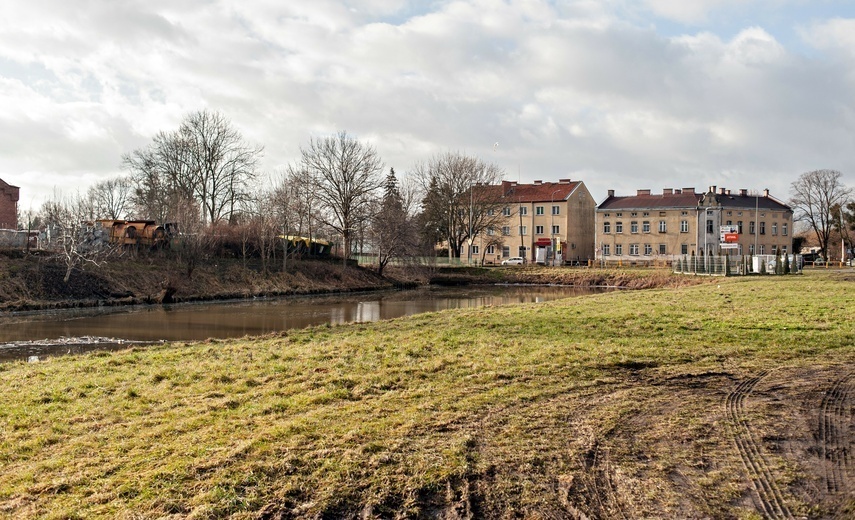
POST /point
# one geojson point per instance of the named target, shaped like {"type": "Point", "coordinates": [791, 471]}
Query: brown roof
{"type": "Point", "coordinates": [539, 192]}
{"type": "Point", "coordinates": [676, 200]}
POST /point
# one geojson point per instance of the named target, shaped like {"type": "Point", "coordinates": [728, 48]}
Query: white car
{"type": "Point", "coordinates": [514, 260]}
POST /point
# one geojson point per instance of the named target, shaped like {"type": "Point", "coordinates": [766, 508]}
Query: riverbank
{"type": "Point", "coordinates": [36, 282]}
{"type": "Point", "coordinates": [697, 402]}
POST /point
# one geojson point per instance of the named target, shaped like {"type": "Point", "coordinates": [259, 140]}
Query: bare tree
{"type": "Point", "coordinates": [814, 196]}
{"type": "Point", "coordinates": [111, 198]}
{"type": "Point", "coordinates": [461, 199]}
{"type": "Point", "coordinates": [71, 232]}
{"type": "Point", "coordinates": [205, 163]}
{"type": "Point", "coordinates": [348, 175]}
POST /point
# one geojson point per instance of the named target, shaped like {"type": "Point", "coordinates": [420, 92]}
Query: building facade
{"type": "Point", "coordinates": [681, 221]}
{"type": "Point", "coordinates": [546, 222]}
{"type": "Point", "coordinates": [8, 206]}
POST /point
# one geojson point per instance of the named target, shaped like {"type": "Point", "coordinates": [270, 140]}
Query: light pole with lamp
{"type": "Point", "coordinates": [552, 223]}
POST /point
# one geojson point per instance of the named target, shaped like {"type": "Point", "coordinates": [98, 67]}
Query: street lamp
{"type": "Point", "coordinates": [552, 223]}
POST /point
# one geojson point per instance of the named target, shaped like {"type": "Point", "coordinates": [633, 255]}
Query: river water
{"type": "Point", "coordinates": [33, 335]}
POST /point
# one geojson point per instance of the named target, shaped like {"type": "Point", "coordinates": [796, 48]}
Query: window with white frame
{"type": "Point", "coordinates": [684, 226]}
{"type": "Point", "coordinates": [506, 230]}
{"type": "Point", "coordinates": [618, 249]}
{"type": "Point", "coordinates": [556, 210]}
{"type": "Point", "coordinates": [633, 249]}
{"type": "Point", "coordinates": [506, 211]}
{"type": "Point", "coordinates": [633, 227]}
{"type": "Point", "coordinates": [645, 226]}
{"type": "Point", "coordinates": [618, 227]}
{"type": "Point", "coordinates": [523, 230]}
{"type": "Point", "coordinates": [607, 227]}
{"type": "Point", "coordinates": [491, 231]}
{"type": "Point", "coordinates": [774, 229]}
{"type": "Point", "coordinates": [474, 250]}
{"type": "Point", "coordinates": [491, 250]}
{"type": "Point", "coordinates": [556, 230]}
{"type": "Point", "coordinates": [648, 249]}
{"type": "Point", "coordinates": [523, 210]}
{"type": "Point", "coordinates": [663, 227]}
{"type": "Point", "coordinates": [607, 249]}
{"type": "Point", "coordinates": [538, 210]}
{"type": "Point", "coordinates": [784, 229]}
{"type": "Point", "coordinates": [538, 230]}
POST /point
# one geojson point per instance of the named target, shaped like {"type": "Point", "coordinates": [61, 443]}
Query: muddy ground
{"type": "Point", "coordinates": [719, 444]}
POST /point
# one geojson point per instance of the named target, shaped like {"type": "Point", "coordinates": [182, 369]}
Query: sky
{"type": "Point", "coordinates": [621, 94]}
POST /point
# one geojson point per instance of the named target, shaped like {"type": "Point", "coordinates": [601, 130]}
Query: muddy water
{"type": "Point", "coordinates": [74, 331]}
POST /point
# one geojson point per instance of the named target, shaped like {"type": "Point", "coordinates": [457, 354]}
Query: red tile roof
{"type": "Point", "coordinates": [543, 192]}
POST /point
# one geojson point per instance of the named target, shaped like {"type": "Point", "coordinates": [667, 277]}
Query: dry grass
{"type": "Point", "coordinates": [606, 406]}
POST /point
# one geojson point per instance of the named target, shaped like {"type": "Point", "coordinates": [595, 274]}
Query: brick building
{"type": "Point", "coordinates": [8, 206]}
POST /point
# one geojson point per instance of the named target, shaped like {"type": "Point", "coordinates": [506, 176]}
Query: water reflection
{"type": "Point", "coordinates": [67, 331]}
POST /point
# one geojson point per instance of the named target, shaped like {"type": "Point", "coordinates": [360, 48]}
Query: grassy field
{"type": "Point", "coordinates": [629, 404]}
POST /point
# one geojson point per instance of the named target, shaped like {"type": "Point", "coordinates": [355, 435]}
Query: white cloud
{"type": "Point", "coordinates": [578, 86]}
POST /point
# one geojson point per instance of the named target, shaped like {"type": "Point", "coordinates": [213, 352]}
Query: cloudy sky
{"type": "Point", "coordinates": [622, 94]}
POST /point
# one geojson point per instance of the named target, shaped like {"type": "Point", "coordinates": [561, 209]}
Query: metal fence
{"type": "Point", "coordinates": [738, 265]}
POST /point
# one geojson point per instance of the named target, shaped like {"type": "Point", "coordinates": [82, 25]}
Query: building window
{"type": "Point", "coordinates": [645, 226]}
{"type": "Point", "coordinates": [606, 215]}
{"type": "Point", "coordinates": [491, 212]}
{"type": "Point", "coordinates": [506, 251]}
{"type": "Point", "coordinates": [491, 250]}
{"type": "Point", "coordinates": [506, 211]}
{"type": "Point", "coordinates": [633, 250]}
{"type": "Point", "coordinates": [491, 231]}
{"type": "Point", "coordinates": [618, 214]}
{"type": "Point", "coordinates": [739, 227]}
{"type": "Point", "coordinates": [783, 250]}
{"type": "Point", "coordinates": [775, 249]}
{"type": "Point", "coordinates": [762, 228]}
{"type": "Point", "coordinates": [762, 250]}
{"type": "Point", "coordinates": [523, 210]}
{"type": "Point", "coordinates": [684, 213]}
{"type": "Point", "coordinates": [663, 227]}
{"type": "Point", "coordinates": [709, 226]}
{"type": "Point", "coordinates": [506, 230]}
{"type": "Point", "coordinates": [684, 226]}
{"type": "Point", "coordinates": [684, 249]}
{"type": "Point", "coordinates": [556, 230]}
{"type": "Point", "coordinates": [751, 228]}
{"type": "Point", "coordinates": [774, 229]}
{"type": "Point", "coordinates": [556, 210]}
{"type": "Point", "coordinates": [523, 230]}
{"type": "Point", "coordinates": [661, 249]}
{"type": "Point", "coordinates": [750, 249]}
{"type": "Point", "coordinates": [618, 249]}
{"type": "Point", "coordinates": [709, 212]}
{"type": "Point", "coordinates": [538, 210]}
{"type": "Point", "coordinates": [607, 227]}
{"type": "Point", "coordinates": [633, 227]}
{"type": "Point", "coordinates": [538, 230]}
{"type": "Point", "coordinates": [728, 223]}
{"type": "Point", "coordinates": [729, 213]}
{"type": "Point", "coordinates": [607, 250]}
{"type": "Point", "coordinates": [474, 250]}
{"type": "Point", "coordinates": [618, 227]}
{"type": "Point", "coordinates": [633, 214]}
{"type": "Point", "coordinates": [648, 249]}
{"type": "Point", "coordinates": [784, 229]}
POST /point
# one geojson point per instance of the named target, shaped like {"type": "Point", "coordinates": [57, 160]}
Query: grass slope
{"type": "Point", "coordinates": [605, 406]}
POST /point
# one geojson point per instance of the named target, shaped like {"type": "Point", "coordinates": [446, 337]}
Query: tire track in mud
{"type": "Point", "coordinates": [767, 496]}
{"type": "Point", "coordinates": [834, 442]}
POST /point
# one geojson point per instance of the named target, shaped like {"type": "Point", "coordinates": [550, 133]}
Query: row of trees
{"type": "Point", "coordinates": [826, 206]}
{"type": "Point", "coordinates": [204, 177]}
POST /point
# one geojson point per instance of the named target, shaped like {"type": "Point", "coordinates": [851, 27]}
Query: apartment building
{"type": "Point", "coordinates": [8, 206]}
{"type": "Point", "coordinates": [550, 222]}
{"type": "Point", "coordinates": [681, 221]}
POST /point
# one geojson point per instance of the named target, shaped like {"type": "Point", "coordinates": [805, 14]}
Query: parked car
{"type": "Point", "coordinates": [514, 260]}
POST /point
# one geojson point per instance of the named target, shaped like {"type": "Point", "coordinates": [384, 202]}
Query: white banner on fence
{"type": "Point", "coordinates": [729, 246]}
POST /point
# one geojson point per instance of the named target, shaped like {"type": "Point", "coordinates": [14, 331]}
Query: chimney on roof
{"type": "Point", "coordinates": [677, 191]}
{"type": "Point", "coordinates": [743, 192]}
{"type": "Point", "coordinates": [667, 191]}
{"type": "Point", "coordinates": [766, 192]}
{"type": "Point", "coordinates": [611, 193]}
{"type": "Point", "coordinates": [721, 191]}
{"type": "Point", "coordinates": [643, 192]}
{"type": "Point", "coordinates": [538, 182]}
{"type": "Point", "coordinates": [564, 181]}
{"type": "Point", "coordinates": [727, 192]}
{"type": "Point", "coordinates": [711, 189]}
{"type": "Point", "coordinates": [688, 190]}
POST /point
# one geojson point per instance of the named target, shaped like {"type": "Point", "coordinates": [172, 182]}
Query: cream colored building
{"type": "Point", "coordinates": [550, 222]}
{"type": "Point", "coordinates": [681, 221]}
